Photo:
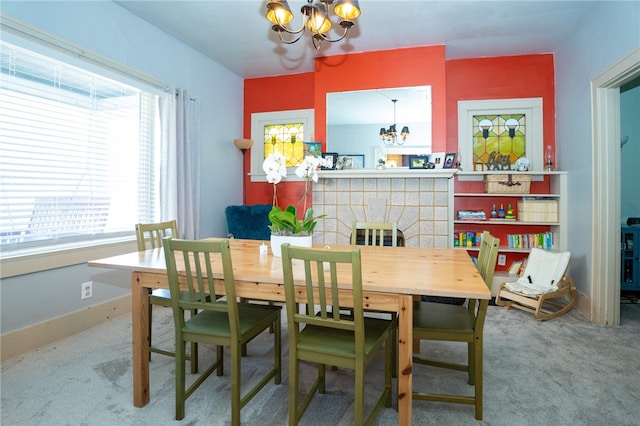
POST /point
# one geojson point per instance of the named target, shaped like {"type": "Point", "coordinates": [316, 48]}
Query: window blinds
{"type": "Point", "coordinates": [77, 157]}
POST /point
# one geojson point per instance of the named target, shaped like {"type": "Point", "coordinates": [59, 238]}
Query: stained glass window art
{"type": "Point", "coordinates": [499, 139]}
{"type": "Point", "coordinates": [287, 139]}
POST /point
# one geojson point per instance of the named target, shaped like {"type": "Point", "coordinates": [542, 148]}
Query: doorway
{"type": "Point", "coordinates": [605, 250]}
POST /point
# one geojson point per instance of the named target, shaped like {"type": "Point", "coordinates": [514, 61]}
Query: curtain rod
{"type": "Point", "coordinates": [49, 40]}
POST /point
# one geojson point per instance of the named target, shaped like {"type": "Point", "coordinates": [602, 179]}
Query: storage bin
{"type": "Point", "coordinates": [545, 211]}
{"type": "Point", "coordinates": [511, 183]}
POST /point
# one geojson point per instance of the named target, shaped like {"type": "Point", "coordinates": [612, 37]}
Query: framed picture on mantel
{"type": "Point", "coordinates": [333, 159]}
{"type": "Point", "coordinates": [437, 158]}
{"type": "Point", "coordinates": [350, 161]}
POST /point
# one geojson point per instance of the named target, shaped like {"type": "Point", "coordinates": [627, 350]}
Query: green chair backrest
{"type": "Point", "coordinates": [198, 261]}
{"type": "Point", "coordinates": [323, 271]}
{"type": "Point", "coordinates": [487, 257]}
{"type": "Point", "coordinates": [486, 266]}
{"type": "Point", "coordinates": [150, 235]}
{"type": "Point", "coordinates": [374, 233]}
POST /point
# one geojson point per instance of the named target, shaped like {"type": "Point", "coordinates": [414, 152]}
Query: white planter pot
{"type": "Point", "coordinates": [294, 240]}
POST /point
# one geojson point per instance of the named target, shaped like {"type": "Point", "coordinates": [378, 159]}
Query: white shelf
{"type": "Point", "coordinates": [483, 194]}
{"type": "Point", "coordinates": [505, 222]}
{"type": "Point", "coordinates": [502, 249]}
{"type": "Point", "coordinates": [535, 175]}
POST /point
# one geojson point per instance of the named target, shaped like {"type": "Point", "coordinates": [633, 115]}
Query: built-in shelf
{"type": "Point", "coordinates": [469, 194]}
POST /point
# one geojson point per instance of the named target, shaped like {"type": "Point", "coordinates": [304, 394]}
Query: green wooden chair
{"type": "Point", "coordinates": [318, 333]}
{"type": "Point", "coordinates": [454, 323]}
{"type": "Point", "coordinates": [150, 236]}
{"type": "Point", "coordinates": [374, 233]}
{"type": "Point", "coordinates": [219, 322]}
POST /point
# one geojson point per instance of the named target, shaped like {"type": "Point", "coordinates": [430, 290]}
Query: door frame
{"type": "Point", "coordinates": [605, 163]}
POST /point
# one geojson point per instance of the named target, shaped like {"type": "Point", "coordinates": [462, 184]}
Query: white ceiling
{"type": "Point", "coordinates": [236, 34]}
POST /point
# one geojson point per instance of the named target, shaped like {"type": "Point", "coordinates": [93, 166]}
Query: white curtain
{"type": "Point", "coordinates": [180, 164]}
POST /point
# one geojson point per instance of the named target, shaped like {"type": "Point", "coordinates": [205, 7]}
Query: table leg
{"type": "Point", "coordinates": [405, 361]}
{"type": "Point", "coordinates": [140, 332]}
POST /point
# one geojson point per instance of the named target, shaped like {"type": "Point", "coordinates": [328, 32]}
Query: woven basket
{"type": "Point", "coordinates": [512, 183]}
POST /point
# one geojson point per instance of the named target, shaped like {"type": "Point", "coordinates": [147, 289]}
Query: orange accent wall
{"type": "Point", "coordinates": [504, 77]}
{"type": "Point", "coordinates": [523, 76]}
{"type": "Point", "coordinates": [267, 94]}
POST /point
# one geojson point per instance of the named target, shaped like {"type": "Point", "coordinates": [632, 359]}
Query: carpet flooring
{"type": "Point", "coordinates": [566, 371]}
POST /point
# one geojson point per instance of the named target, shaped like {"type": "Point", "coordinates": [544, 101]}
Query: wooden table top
{"type": "Point", "coordinates": [398, 270]}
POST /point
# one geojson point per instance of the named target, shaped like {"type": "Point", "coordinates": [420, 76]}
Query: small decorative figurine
{"type": "Point", "coordinates": [522, 164]}
{"type": "Point", "coordinates": [501, 212]}
{"type": "Point", "coordinates": [510, 214]}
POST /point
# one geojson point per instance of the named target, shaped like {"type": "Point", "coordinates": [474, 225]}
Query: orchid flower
{"type": "Point", "coordinates": [275, 169]}
{"type": "Point", "coordinates": [308, 169]}
{"type": "Point", "coordinates": [275, 166]}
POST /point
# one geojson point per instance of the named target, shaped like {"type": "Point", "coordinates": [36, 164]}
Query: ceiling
{"type": "Point", "coordinates": [235, 33]}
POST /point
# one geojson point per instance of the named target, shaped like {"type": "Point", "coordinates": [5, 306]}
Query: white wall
{"type": "Point", "coordinates": [107, 29]}
{"type": "Point", "coordinates": [609, 33]}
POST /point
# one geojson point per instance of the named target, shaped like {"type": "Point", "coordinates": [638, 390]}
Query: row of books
{"type": "Point", "coordinates": [526, 241]}
{"type": "Point", "coordinates": [467, 239]}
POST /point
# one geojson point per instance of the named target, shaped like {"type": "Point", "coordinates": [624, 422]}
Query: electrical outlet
{"type": "Point", "coordinates": [502, 259]}
{"type": "Point", "coordinates": [87, 290]}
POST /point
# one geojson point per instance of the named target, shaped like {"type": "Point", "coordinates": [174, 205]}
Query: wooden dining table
{"type": "Point", "coordinates": [391, 277]}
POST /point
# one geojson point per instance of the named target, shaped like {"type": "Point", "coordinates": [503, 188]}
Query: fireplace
{"type": "Point", "coordinates": [417, 200]}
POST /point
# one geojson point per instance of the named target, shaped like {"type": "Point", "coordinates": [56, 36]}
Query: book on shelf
{"type": "Point", "coordinates": [467, 239]}
{"type": "Point", "coordinates": [471, 215]}
{"type": "Point", "coordinates": [544, 240]}
{"type": "Point", "coordinates": [516, 267]}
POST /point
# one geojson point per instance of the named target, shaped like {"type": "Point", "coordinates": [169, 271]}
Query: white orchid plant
{"type": "Point", "coordinates": [285, 222]}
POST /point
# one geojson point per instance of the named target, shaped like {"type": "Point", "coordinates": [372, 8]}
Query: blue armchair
{"type": "Point", "coordinates": [248, 222]}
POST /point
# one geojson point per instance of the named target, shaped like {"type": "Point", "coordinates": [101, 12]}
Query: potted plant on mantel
{"type": "Point", "coordinates": [285, 226]}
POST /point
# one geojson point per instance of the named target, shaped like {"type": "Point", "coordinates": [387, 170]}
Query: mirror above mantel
{"type": "Point", "coordinates": [355, 119]}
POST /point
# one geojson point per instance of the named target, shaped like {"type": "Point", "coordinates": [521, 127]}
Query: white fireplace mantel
{"type": "Point", "coordinates": [393, 172]}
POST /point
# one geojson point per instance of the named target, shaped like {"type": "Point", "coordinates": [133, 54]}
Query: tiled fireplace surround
{"type": "Point", "coordinates": [417, 200]}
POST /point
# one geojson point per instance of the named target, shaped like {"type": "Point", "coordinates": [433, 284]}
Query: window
{"type": "Point", "coordinates": [505, 129]}
{"type": "Point", "coordinates": [284, 131]}
{"type": "Point", "coordinates": [79, 155]}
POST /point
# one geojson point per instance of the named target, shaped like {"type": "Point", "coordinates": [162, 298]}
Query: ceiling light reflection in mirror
{"type": "Point", "coordinates": [354, 120]}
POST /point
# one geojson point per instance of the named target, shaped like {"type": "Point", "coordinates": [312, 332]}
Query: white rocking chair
{"type": "Point", "coordinates": [543, 288]}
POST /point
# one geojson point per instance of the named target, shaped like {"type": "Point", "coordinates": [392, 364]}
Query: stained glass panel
{"type": "Point", "coordinates": [287, 139]}
{"type": "Point", "coordinates": [499, 139]}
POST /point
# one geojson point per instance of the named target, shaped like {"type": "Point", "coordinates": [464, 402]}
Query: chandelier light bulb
{"type": "Point", "coordinates": [347, 9]}
{"type": "Point", "coordinates": [279, 13]}
{"type": "Point", "coordinates": [318, 22]}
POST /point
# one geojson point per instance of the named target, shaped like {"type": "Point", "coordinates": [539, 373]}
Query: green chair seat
{"type": "Point", "coordinates": [341, 342]}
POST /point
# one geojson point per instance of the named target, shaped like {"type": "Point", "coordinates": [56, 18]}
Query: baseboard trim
{"type": "Point", "coordinates": [27, 339]}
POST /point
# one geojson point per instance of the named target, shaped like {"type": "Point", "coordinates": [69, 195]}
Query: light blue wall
{"type": "Point", "coordinates": [609, 33]}
{"type": "Point", "coordinates": [107, 29]}
{"type": "Point", "coordinates": [630, 158]}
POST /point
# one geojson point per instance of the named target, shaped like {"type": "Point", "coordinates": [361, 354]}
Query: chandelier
{"type": "Point", "coordinates": [315, 16]}
{"type": "Point", "coordinates": [390, 136]}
